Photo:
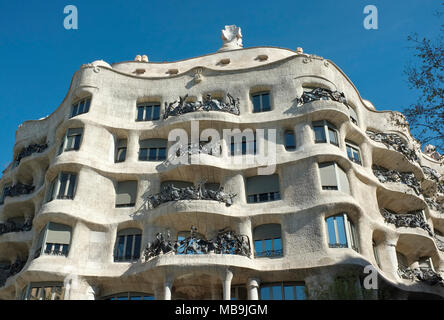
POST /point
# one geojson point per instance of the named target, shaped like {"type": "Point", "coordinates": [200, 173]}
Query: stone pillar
{"type": "Point", "coordinates": [132, 148]}
{"type": "Point", "coordinates": [168, 285]}
{"type": "Point", "coordinates": [366, 155]}
{"type": "Point", "coordinates": [235, 184]}
{"type": "Point", "coordinates": [158, 291]}
{"type": "Point", "coordinates": [389, 260]}
{"type": "Point", "coordinates": [244, 228]}
{"type": "Point", "coordinates": [226, 284]}
{"type": "Point", "coordinates": [253, 288]}
{"type": "Point", "coordinates": [304, 135]}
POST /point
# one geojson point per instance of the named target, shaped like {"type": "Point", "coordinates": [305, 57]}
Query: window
{"type": "Point", "coordinates": [153, 150]}
{"type": "Point", "coordinates": [63, 187]}
{"type": "Point", "coordinates": [126, 192]}
{"type": "Point", "coordinates": [44, 291]}
{"type": "Point", "coordinates": [148, 112]}
{"type": "Point", "coordinates": [248, 146]}
{"type": "Point", "coordinates": [80, 107]}
{"type": "Point", "coordinates": [130, 296]}
{"type": "Point", "coordinates": [261, 102]}
{"type": "Point", "coordinates": [54, 239]}
{"type": "Point", "coordinates": [72, 140]}
{"type": "Point", "coordinates": [283, 291]}
{"type": "Point", "coordinates": [290, 142]}
{"type": "Point", "coordinates": [353, 115]}
{"type": "Point", "coordinates": [376, 254]}
{"type": "Point", "coordinates": [333, 177]}
{"type": "Point", "coordinates": [325, 132]}
{"type": "Point", "coordinates": [121, 150]}
{"type": "Point", "coordinates": [268, 240]}
{"type": "Point", "coordinates": [341, 232]}
{"type": "Point", "coordinates": [353, 153]}
{"type": "Point", "coordinates": [128, 244]}
{"type": "Point", "coordinates": [263, 188]}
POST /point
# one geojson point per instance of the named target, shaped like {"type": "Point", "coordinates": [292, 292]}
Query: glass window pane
{"type": "Point", "coordinates": [319, 134]}
{"type": "Point", "coordinates": [62, 188]}
{"type": "Point", "coordinates": [152, 154]}
{"type": "Point", "coordinates": [277, 243]}
{"type": "Point", "coordinates": [148, 298]}
{"type": "Point", "coordinates": [341, 230]}
{"type": "Point", "coordinates": [143, 154]}
{"type": "Point", "coordinates": [72, 184]}
{"type": "Point", "coordinates": [331, 231]}
{"type": "Point", "coordinates": [277, 292]}
{"type": "Point", "coordinates": [140, 113]}
{"type": "Point", "coordinates": [265, 293]}
{"type": "Point", "coordinates": [265, 102]}
{"type": "Point", "coordinates": [257, 103]}
{"type": "Point", "coordinates": [75, 110]}
{"type": "Point", "coordinates": [289, 293]}
{"type": "Point", "coordinates": [148, 114]}
{"type": "Point", "coordinates": [161, 154]}
{"type": "Point", "coordinates": [263, 197]}
{"type": "Point", "coordinates": [333, 136]}
{"type": "Point", "coordinates": [129, 247]}
{"type": "Point", "coordinates": [77, 139]}
{"type": "Point", "coordinates": [300, 293]}
{"type": "Point", "coordinates": [156, 114]}
{"type": "Point", "coordinates": [136, 298]}
{"type": "Point", "coordinates": [121, 155]}
{"type": "Point", "coordinates": [137, 242]}
{"type": "Point", "coordinates": [268, 245]}
{"type": "Point", "coordinates": [349, 153]}
{"type": "Point", "coordinates": [289, 141]}
{"type": "Point", "coordinates": [87, 104]}
{"type": "Point", "coordinates": [258, 247]}
{"type": "Point", "coordinates": [120, 248]}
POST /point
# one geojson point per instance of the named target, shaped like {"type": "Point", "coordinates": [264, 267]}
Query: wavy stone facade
{"type": "Point", "coordinates": [86, 242]}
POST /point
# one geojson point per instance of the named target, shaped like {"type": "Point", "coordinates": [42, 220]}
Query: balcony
{"type": "Point", "coordinates": [172, 193]}
{"type": "Point", "coordinates": [321, 94]}
{"type": "Point", "coordinates": [226, 242]}
{"type": "Point", "coordinates": [427, 276]}
{"type": "Point", "coordinates": [9, 271]}
{"type": "Point", "coordinates": [180, 107]}
{"type": "Point", "coordinates": [18, 190]}
{"type": "Point", "coordinates": [12, 226]}
{"type": "Point", "coordinates": [408, 178]}
{"type": "Point", "coordinates": [413, 219]}
{"type": "Point", "coordinates": [29, 150]}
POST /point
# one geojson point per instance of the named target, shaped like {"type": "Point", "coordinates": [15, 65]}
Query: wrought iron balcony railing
{"type": "Point", "coordinates": [177, 108]}
{"type": "Point", "coordinates": [321, 94]}
{"type": "Point", "coordinates": [226, 242]}
{"type": "Point", "coordinates": [26, 152]}
{"type": "Point", "coordinates": [18, 190]}
{"type": "Point", "coordinates": [11, 226]}
{"type": "Point", "coordinates": [413, 219]}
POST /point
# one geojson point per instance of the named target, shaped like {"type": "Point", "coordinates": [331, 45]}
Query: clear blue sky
{"type": "Point", "coordinates": [38, 56]}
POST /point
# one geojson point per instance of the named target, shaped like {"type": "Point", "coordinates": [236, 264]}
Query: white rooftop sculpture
{"type": "Point", "coordinates": [231, 38]}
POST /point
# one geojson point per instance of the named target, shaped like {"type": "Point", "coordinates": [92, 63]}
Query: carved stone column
{"type": "Point", "coordinates": [244, 228]}
{"type": "Point", "coordinates": [168, 285]}
{"type": "Point", "coordinates": [388, 258]}
{"type": "Point", "coordinates": [132, 148]}
{"type": "Point", "coordinates": [226, 284]}
{"type": "Point", "coordinates": [304, 135]}
{"type": "Point", "coordinates": [253, 288]}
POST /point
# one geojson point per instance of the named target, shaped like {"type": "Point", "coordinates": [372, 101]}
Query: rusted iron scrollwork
{"type": "Point", "coordinates": [321, 94]}
{"type": "Point", "coordinates": [11, 226]}
{"type": "Point", "coordinates": [26, 152]}
{"type": "Point", "coordinates": [177, 108]}
{"type": "Point", "coordinates": [226, 242]}
{"type": "Point", "coordinates": [408, 178]}
{"type": "Point", "coordinates": [172, 193]}
{"type": "Point", "coordinates": [413, 219]}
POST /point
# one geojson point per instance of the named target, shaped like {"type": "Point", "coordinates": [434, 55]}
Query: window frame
{"type": "Point", "coordinates": [26, 293]}
{"type": "Point", "coordinates": [125, 233]}
{"type": "Point", "coordinates": [127, 205]}
{"type": "Point", "coordinates": [75, 106]}
{"type": "Point", "coordinates": [293, 139]}
{"type": "Point", "coordinates": [77, 140]}
{"type": "Point", "coordinates": [273, 253]}
{"type": "Point", "coordinates": [54, 187]}
{"type": "Point", "coordinates": [350, 232]}
{"type": "Point", "coordinates": [42, 250]}
{"type": "Point", "coordinates": [121, 144]}
{"type": "Point", "coordinates": [327, 128]}
{"type": "Point", "coordinates": [353, 147]}
{"type": "Point", "coordinates": [339, 185]}
{"type": "Point", "coordinates": [257, 197]}
{"type": "Point", "coordinates": [283, 285]}
{"type": "Point", "coordinates": [260, 94]}
{"type": "Point", "coordinates": [154, 108]}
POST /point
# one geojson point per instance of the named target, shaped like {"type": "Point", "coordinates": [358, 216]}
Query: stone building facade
{"type": "Point", "coordinates": [96, 205]}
